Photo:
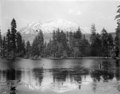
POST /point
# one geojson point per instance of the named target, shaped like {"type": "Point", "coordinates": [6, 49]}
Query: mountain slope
{"type": "Point", "coordinates": [30, 31]}
{"type": "Point", "coordinates": [49, 27]}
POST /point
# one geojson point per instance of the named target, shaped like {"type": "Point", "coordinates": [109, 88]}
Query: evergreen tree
{"type": "Point", "coordinates": [95, 41]}
{"type": "Point", "coordinates": [23, 52]}
{"type": "Point", "coordinates": [28, 49]}
{"type": "Point", "coordinates": [117, 38]}
{"type": "Point", "coordinates": [93, 35]}
{"type": "Point", "coordinates": [110, 44]}
{"type": "Point", "coordinates": [70, 44]}
{"type": "Point", "coordinates": [13, 36]}
{"type": "Point", "coordinates": [15, 45]}
{"type": "Point", "coordinates": [117, 41]}
{"type": "Point", "coordinates": [54, 47]}
{"type": "Point", "coordinates": [38, 44]}
{"type": "Point", "coordinates": [85, 47]}
{"type": "Point", "coordinates": [4, 47]}
{"type": "Point", "coordinates": [95, 44]}
{"type": "Point", "coordinates": [19, 45]}
{"type": "Point", "coordinates": [8, 40]}
{"type": "Point", "coordinates": [105, 47]}
{"type": "Point", "coordinates": [78, 34]}
{"type": "Point", "coordinates": [77, 43]}
{"type": "Point", "coordinates": [49, 48]}
{"type": "Point", "coordinates": [0, 44]}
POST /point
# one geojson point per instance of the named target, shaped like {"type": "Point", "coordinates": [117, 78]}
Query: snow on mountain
{"type": "Point", "coordinates": [50, 26]}
{"type": "Point", "coordinates": [30, 31]}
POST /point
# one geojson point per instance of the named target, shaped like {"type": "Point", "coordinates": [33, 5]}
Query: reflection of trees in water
{"type": "Point", "coordinates": [117, 73]}
{"type": "Point", "coordinates": [106, 65]}
{"type": "Point", "coordinates": [106, 75]}
{"type": "Point", "coordinates": [38, 74]}
{"type": "Point", "coordinates": [3, 75]}
{"type": "Point", "coordinates": [104, 72]}
{"type": "Point", "coordinates": [77, 72]}
{"type": "Point", "coordinates": [94, 85]}
{"type": "Point", "coordinates": [11, 78]}
{"type": "Point", "coordinates": [74, 74]}
{"type": "Point", "coordinates": [11, 74]}
{"type": "Point", "coordinates": [60, 75]}
{"type": "Point", "coordinates": [18, 74]}
{"type": "Point", "coordinates": [107, 72]}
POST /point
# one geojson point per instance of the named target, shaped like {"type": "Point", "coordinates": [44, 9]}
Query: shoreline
{"type": "Point", "coordinates": [56, 58]}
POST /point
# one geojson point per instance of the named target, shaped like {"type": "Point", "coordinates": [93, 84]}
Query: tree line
{"type": "Point", "coordinates": [12, 45]}
{"type": "Point", "coordinates": [62, 44]}
{"type": "Point", "coordinates": [74, 44]}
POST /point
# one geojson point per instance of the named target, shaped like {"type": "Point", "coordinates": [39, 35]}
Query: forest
{"type": "Point", "coordinates": [62, 44]}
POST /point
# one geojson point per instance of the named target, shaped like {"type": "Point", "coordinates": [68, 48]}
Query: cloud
{"type": "Point", "coordinates": [74, 12]}
{"type": "Point", "coordinates": [78, 13]}
{"type": "Point", "coordinates": [71, 11]}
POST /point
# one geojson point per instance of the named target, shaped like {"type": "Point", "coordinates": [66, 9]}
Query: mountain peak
{"type": "Point", "coordinates": [50, 26]}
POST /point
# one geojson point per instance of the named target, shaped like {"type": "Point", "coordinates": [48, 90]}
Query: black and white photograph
{"type": "Point", "coordinates": [59, 46]}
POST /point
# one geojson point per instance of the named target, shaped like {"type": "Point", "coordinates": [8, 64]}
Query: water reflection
{"type": "Point", "coordinates": [61, 79]}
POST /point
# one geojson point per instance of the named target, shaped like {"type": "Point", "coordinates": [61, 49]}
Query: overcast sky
{"type": "Point", "coordinates": [83, 12]}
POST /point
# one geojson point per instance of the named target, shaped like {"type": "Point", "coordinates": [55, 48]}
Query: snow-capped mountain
{"type": "Point", "coordinates": [50, 26]}
{"type": "Point", "coordinates": [30, 31]}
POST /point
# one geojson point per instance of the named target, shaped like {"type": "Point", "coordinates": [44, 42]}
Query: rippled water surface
{"type": "Point", "coordinates": [68, 76]}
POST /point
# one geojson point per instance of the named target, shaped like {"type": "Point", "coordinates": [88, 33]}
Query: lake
{"type": "Point", "coordinates": [66, 76]}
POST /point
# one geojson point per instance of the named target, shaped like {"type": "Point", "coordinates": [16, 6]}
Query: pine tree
{"type": "Point", "coordinates": [104, 37]}
{"type": "Point", "coordinates": [8, 40]}
{"type": "Point", "coordinates": [110, 44]}
{"type": "Point", "coordinates": [28, 49]}
{"type": "Point", "coordinates": [93, 41]}
{"type": "Point", "coordinates": [13, 36]}
{"type": "Point", "coordinates": [23, 52]}
{"type": "Point", "coordinates": [38, 44]}
{"type": "Point", "coordinates": [77, 43]}
{"type": "Point", "coordinates": [18, 44]}
{"type": "Point", "coordinates": [95, 44]}
{"type": "Point", "coordinates": [117, 41]}
{"type": "Point", "coordinates": [4, 47]}
{"type": "Point", "coordinates": [117, 38]}
{"type": "Point", "coordinates": [85, 47]}
{"type": "Point", "coordinates": [70, 44]}
{"type": "Point", "coordinates": [0, 44]}
{"type": "Point", "coordinates": [93, 35]}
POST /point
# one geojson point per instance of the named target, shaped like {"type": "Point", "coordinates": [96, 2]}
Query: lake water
{"type": "Point", "coordinates": [68, 76]}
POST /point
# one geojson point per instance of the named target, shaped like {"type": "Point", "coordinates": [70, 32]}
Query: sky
{"type": "Point", "coordinates": [82, 12]}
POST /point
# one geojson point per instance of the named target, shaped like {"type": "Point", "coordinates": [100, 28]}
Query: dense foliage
{"type": "Point", "coordinates": [12, 44]}
{"type": "Point", "coordinates": [61, 45]}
